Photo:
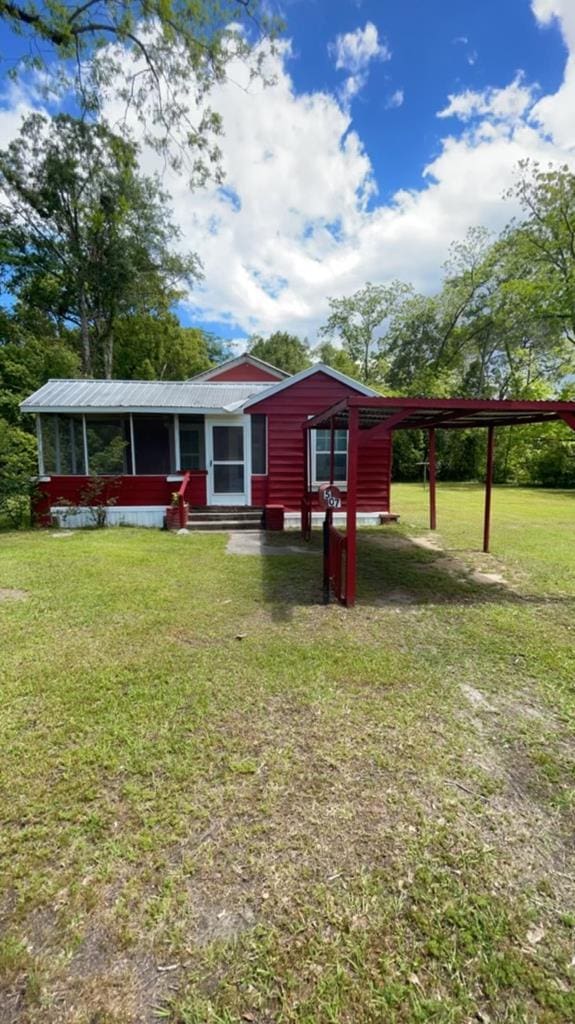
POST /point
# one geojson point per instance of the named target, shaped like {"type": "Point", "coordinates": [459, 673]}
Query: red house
{"type": "Point", "coordinates": [230, 440]}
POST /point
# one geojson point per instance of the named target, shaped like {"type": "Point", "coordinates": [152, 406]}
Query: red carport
{"type": "Point", "coordinates": [366, 418]}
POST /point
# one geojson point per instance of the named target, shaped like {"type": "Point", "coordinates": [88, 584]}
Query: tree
{"type": "Point", "coordinates": [359, 320]}
{"type": "Point", "coordinates": [158, 348]}
{"type": "Point", "coordinates": [286, 351]}
{"type": "Point", "coordinates": [31, 351]}
{"type": "Point", "coordinates": [159, 58]}
{"type": "Point", "coordinates": [84, 237]}
{"type": "Point", "coordinates": [539, 251]}
{"type": "Point", "coordinates": [339, 359]}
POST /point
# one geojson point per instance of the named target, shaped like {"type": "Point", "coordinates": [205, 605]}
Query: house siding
{"type": "Point", "coordinates": [132, 491]}
{"type": "Point", "coordinates": [246, 373]}
{"type": "Point", "coordinates": [287, 411]}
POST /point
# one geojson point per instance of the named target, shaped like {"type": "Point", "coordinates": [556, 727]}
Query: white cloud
{"type": "Point", "coordinates": [554, 113]}
{"type": "Point", "coordinates": [395, 100]}
{"type": "Point", "coordinates": [298, 221]}
{"type": "Point", "coordinates": [509, 103]}
{"type": "Point", "coordinates": [353, 52]}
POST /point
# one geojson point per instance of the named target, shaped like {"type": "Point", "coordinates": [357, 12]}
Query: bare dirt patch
{"type": "Point", "coordinates": [535, 838]}
{"type": "Point", "coordinates": [12, 594]}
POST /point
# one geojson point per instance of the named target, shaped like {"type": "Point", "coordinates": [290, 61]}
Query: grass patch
{"type": "Point", "coordinates": [341, 816]}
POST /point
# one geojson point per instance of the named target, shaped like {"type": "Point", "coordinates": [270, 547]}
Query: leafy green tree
{"type": "Point", "coordinates": [84, 238]}
{"type": "Point", "coordinates": [539, 251]}
{"type": "Point", "coordinates": [359, 320]}
{"type": "Point", "coordinates": [31, 351]}
{"type": "Point", "coordinates": [339, 359]}
{"type": "Point", "coordinates": [157, 347]}
{"type": "Point", "coordinates": [281, 349]}
{"type": "Point", "coordinates": [17, 466]}
{"type": "Point", "coordinates": [149, 55]}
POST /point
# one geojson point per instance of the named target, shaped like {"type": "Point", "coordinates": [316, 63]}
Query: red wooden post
{"type": "Point", "coordinates": [488, 488]}
{"type": "Point", "coordinates": [351, 559]}
{"type": "Point", "coordinates": [432, 476]}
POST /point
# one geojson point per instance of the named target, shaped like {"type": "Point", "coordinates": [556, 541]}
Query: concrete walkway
{"type": "Point", "coordinates": [258, 542]}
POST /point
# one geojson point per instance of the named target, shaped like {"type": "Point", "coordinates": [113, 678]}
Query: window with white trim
{"type": "Point", "coordinates": [191, 445]}
{"type": "Point", "coordinates": [321, 456]}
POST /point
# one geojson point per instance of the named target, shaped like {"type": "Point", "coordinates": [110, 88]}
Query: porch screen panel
{"type": "Point", "coordinates": [49, 428]}
{"type": "Point", "coordinates": [62, 445]}
{"type": "Point", "coordinates": [107, 446]}
{"type": "Point", "coordinates": [71, 444]}
{"type": "Point", "coordinates": [153, 443]}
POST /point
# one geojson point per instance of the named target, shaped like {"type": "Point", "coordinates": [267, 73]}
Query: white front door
{"type": "Point", "coordinates": [228, 463]}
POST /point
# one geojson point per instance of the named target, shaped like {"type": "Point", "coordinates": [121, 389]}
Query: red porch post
{"type": "Point", "coordinates": [351, 556]}
{"type": "Point", "coordinates": [432, 476]}
{"type": "Point", "coordinates": [488, 488]}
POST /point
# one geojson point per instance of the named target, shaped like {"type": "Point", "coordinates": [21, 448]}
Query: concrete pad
{"type": "Point", "coordinates": [245, 542]}
{"type": "Point", "coordinates": [429, 543]}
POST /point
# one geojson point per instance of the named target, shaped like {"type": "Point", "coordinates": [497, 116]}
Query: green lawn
{"type": "Point", "coordinates": [222, 802]}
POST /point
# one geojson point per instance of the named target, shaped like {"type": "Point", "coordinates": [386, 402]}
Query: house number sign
{"type": "Point", "coordinates": [329, 496]}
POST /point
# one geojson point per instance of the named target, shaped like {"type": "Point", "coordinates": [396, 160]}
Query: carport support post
{"type": "Point", "coordinates": [432, 475]}
{"type": "Point", "coordinates": [328, 519]}
{"type": "Point", "coordinates": [351, 554]}
{"type": "Point", "coordinates": [488, 488]}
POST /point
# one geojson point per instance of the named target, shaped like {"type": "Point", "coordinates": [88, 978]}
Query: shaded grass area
{"type": "Point", "coordinates": [223, 802]}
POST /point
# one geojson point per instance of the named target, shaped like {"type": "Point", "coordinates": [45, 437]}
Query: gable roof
{"type": "Point", "coordinates": [141, 396]}
{"type": "Point", "coordinates": [244, 359]}
{"type": "Point", "coordinates": [77, 396]}
{"type": "Point", "coordinates": [329, 371]}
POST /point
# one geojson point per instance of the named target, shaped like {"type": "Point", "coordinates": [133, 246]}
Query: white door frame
{"type": "Point", "coordinates": [229, 421]}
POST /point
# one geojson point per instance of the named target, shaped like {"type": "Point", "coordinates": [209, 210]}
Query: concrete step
{"type": "Point", "coordinates": [225, 509]}
{"type": "Point", "coordinates": [214, 517]}
{"type": "Point", "coordinates": [224, 524]}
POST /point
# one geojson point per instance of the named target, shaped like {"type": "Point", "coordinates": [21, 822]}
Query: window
{"type": "Point", "coordinates": [259, 445]}
{"type": "Point", "coordinates": [321, 449]}
{"type": "Point", "coordinates": [191, 446]}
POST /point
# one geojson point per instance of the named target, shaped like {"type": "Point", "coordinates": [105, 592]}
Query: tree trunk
{"type": "Point", "coordinates": [108, 353]}
{"type": "Point", "coordinates": [85, 336]}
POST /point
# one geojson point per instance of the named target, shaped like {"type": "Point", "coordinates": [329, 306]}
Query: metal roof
{"type": "Point", "coordinates": [140, 396]}
{"type": "Point", "coordinates": [447, 413]}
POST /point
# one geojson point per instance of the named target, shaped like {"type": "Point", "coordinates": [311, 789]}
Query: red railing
{"type": "Point", "coordinates": [337, 558]}
{"type": "Point", "coordinates": [182, 511]}
{"type": "Point", "coordinates": [306, 516]}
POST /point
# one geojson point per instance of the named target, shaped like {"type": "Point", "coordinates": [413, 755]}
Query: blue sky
{"type": "Point", "coordinates": [437, 47]}
{"type": "Point", "coordinates": [392, 128]}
